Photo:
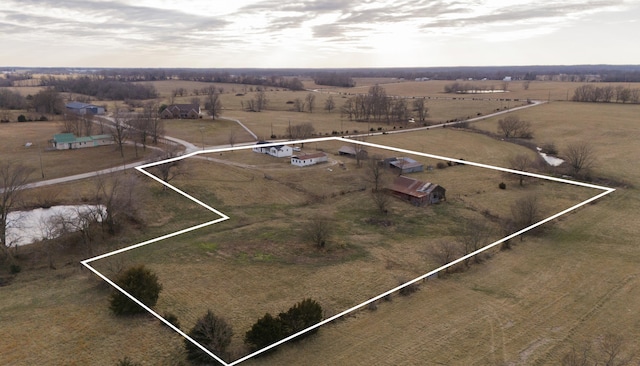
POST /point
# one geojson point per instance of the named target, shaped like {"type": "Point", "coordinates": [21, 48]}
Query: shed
{"type": "Point", "coordinates": [416, 192]}
{"type": "Point", "coordinates": [351, 152]}
{"type": "Point", "coordinates": [84, 108]}
{"type": "Point", "coordinates": [404, 165]}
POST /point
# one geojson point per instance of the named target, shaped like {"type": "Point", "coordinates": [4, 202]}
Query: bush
{"type": "Point", "coordinates": [301, 316]}
{"type": "Point", "coordinates": [266, 331]}
{"type": "Point", "coordinates": [171, 318]}
{"type": "Point", "coordinates": [502, 185]}
{"type": "Point", "coordinates": [550, 148]}
{"type": "Point", "coordinates": [22, 118]}
{"type": "Point", "coordinates": [409, 289]}
{"type": "Point", "coordinates": [213, 333]}
{"type": "Point", "coordinates": [126, 361]}
{"type": "Point", "coordinates": [15, 268]}
{"type": "Point", "coordinates": [441, 165]}
{"type": "Point", "coordinates": [140, 283]}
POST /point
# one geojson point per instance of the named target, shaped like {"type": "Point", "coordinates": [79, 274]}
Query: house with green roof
{"type": "Point", "coordinates": [68, 141]}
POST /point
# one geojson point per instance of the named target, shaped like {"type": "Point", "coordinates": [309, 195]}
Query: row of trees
{"type": "Point", "coordinates": [101, 88]}
{"type": "Point", "coordinates": [334, 79]}
{"type": "Point", "coordinates": [457, 87]}
{"type": "Point", "coordinates": [606, 94]}
{"type": "Point", "coordinates": [377, 106]}
{"type": "Point", "coordinates": [47, 101]}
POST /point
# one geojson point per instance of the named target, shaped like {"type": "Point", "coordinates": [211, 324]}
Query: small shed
{"type": "Point", "coordinates": [351, 152]}
{"type": "Point", "coordinates": [404, 165]}
{"type": "Point", "coordinates": [416, 192]}
{"type": "Point", "coordinates": [278, 151]}
{"type": "Point", "coordinates": [309, 159]}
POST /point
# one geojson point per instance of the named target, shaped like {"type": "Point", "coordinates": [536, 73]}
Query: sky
{"type": "Point", "coordinates": [317, 33]}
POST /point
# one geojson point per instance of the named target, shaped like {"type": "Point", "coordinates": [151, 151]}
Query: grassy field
{"type": "Point", "coordinates": [57, 163]}
{"type": "Point", "coordinates": [526, 306]}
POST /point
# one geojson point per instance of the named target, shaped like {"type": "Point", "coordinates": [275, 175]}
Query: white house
{"type": "Point", "coordinates": [278, 151]}
{"type": "Point", "coordinates": [309, 159]}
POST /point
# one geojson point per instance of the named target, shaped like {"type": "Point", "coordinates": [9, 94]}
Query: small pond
{"type": "Point", "coordinates": [26, 227]}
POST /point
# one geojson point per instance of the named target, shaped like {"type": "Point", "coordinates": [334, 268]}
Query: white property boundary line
{"type": "Point", "coordinates": [223, 217]}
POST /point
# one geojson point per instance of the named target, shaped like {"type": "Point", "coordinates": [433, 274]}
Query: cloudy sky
{"type": "Point", "coordinates": [317, 33]}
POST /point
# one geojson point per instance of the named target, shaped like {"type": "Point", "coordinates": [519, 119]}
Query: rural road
{"type": "Point", "coordinates": [189, 147]}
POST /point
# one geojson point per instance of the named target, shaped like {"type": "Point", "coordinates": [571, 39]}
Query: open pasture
{"type": "Point", "coordinates": [264, 239]}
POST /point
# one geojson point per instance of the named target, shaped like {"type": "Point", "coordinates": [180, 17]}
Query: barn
{"type": "Point", "coordinates": [416, 192]}
{"type": "Point", "coordinates": [84, 108]}
{"type": "Point", "coordinates": [68, 141]}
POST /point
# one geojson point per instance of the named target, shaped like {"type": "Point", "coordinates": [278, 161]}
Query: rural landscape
{"type": "Point", "coordinates": [336, 186]}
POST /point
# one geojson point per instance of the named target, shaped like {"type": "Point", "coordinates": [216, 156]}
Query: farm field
{"type": "Point", "coordinates": [528, 305]}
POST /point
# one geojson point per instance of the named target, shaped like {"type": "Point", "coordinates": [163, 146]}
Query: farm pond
{"type": "Point", "coordinates": [26, 227]}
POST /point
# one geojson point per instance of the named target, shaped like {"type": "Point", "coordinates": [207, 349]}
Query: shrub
{"type": "Point", "coordinates": [441, 165]}
{"type": "Point", "coordinates": [301, 316]}
{"type": "Point", "coordinates": [15, 268]}
{"type": "Point", "coordinates": [213, 333]}
{"type": "Point", "coordinates": [549, 148]}
{"type": "Point", "coordinates": [171, 318]}
{"type": "Point", "coordinates": [126, 361]}
{"type": "Point", "coordinates": [140, 283]}
{"type": "Point", "coordinates": [22, 118]}
{"type": "Point", "coordinates": [267, 330]}
{"type": "Point", "coordinates": [409, 289]}
{"type": "Point", "coordinates": [502, 185]}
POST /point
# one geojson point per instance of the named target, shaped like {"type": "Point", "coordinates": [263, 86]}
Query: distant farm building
{"type": "Point", "coordinates": [353, 152]}
{"type": "Point", "coordinates": [309, 159]}
{"type": "Point", "coordinates": [84, 108]}
{"type": "Point", "coordinates": [278, 151]}
{"type": "Point", "coordinates": [416, 192]}
{"type": "Point", "coordinates": [184, 111]}
{"type": "Point", "coordinates": [67, 141]}
{"type": "Point", "coordinates": [403, 165]}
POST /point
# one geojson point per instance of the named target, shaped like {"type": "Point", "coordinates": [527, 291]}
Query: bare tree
{"type": "Point", "coordinates": [300, 131]}
{"type": "Point", "coordinates": [13, 178]}
{"type": "Point", "coordinates": [526, 84]}
{"type": "Point", "coordinates": [298, 105]}
{"type": "Point", "coordinates": [381, 199]}
{"type": "Point", "coordinates": [580, 156]}
{"type": "Point", "coordinates": [376, 172]}
{"type": "Point", "coordinates": [120, 130]}
{"type": "Point", "coordinates": [512, 126]}
{"type": "Point", "coordinates": [261, 101]}
{"type": "Point", "coordinates": [444, 252]}
{"type": "Point", "coordinates": [420, 107]}
{"type": "Point", "coordinates": [473, 236]}
{"type": "Point", "coordinates": [310, 100]}
{"type": "Point", "coordinates": [232, 138]}
{"type": "Point", "coordinates": [117, 194]}
{"type": "Point", "coordinates": [213, 103]}
{"type": "Point", "coordinates": [154, 124]}
{"type": "Point", "coordinates": [525, 212]}
{"type": "Point", "coordinates": [329, 104]}
{"type": "Point", "coordinates": [521, 162]}
{"type": "Point", "coordinates": [169, 170]}
{"type": "Point", "coordinates": [318, 231]}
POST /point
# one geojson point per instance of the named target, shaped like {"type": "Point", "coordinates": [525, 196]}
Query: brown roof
{"type": "Point", "coordinates": [309, 156]}
{"type": "Point", "coordinates": [412, 187]}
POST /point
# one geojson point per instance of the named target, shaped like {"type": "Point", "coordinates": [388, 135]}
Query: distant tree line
{"type": "Point", "coordinates": [334, 79]}
{"type": "Point", "coordinates": [606, 94]}
{"type": "Point", "coordinates": [101, 88]}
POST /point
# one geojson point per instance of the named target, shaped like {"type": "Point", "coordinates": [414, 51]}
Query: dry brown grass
{"type": "Point", "coordinates": [529, 305]}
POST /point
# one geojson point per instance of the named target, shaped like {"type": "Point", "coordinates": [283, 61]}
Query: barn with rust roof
{"type": "Point", "coordinates": [416, 192]}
